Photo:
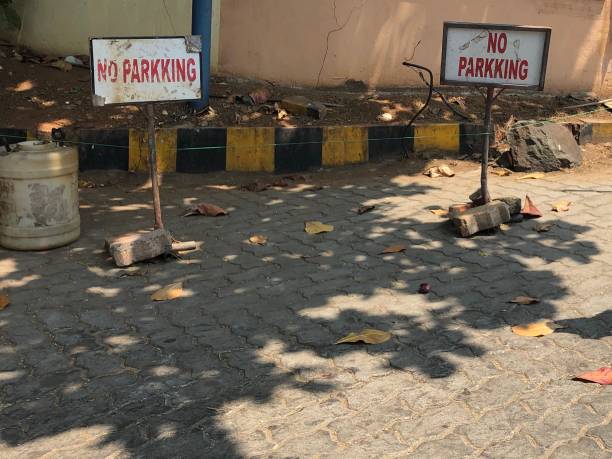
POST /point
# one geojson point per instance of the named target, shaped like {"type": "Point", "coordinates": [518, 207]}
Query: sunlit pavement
{"type": "Point", "coordinates": [245, 365]}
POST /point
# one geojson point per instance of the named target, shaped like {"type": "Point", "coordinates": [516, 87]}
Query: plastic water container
{"type": "Point", "coordinates": [39, 196]}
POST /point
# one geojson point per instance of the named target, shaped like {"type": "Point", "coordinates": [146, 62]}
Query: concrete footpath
{"type": "Point", "coordinates": [245, 364]}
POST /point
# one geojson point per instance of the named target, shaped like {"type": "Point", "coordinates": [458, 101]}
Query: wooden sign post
{"type": "Point", "coordinates": [494, 56]}
{"type": "Point", "coordinates": [146, 71]}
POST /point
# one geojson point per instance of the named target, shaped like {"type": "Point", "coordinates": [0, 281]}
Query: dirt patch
{"type": "Point", "coordinates": [38, 96]}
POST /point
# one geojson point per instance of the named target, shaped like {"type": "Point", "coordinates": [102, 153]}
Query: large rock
{"type": "Point", "coordinates": [542, 147]}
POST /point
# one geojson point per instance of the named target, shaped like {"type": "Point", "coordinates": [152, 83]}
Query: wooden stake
{"type": "Point", "coordinates": [159, 224]}
{"type": "Point", "coordinates": [484, 175]}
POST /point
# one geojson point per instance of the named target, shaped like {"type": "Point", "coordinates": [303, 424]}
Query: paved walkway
{"type": "Point", "coordinates": [246, 366]}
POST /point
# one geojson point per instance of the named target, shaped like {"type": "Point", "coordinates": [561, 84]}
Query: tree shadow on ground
{"type": "Point", "coordinates": [83, 346]}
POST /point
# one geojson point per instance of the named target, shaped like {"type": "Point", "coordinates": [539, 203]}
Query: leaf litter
{"type": "Point", "coordinates": [368, 336]}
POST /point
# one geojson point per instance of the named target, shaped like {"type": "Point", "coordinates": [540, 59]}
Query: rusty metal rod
{"type": "Point", "coordinates": [159, 224]}
{"type": "Point", "coordinates": [484, 174]}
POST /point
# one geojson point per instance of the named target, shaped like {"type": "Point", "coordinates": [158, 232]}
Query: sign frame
{"type": "Point", "coordinates": [156, 37]}
{"type": "Point", "coordinates": [472, 25]}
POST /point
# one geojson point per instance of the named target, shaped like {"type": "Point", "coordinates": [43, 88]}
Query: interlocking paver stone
{"type": "Point", "coordinates": [246, 366]}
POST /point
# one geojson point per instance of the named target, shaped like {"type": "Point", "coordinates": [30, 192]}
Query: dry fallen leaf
{"type": "Point", "coordinates": [169, 292]}
{"type": "Point", "coordinates": [501, 172]}
{"type": "Point", "coordinates": [208, 210]}
{"type": "Point", "coordinates": [364, 209]}
{"type": "Point", "coordinates": [543, 227]}
{"type": "Point", "coordinates": [4, 301]}
{"type": "Point", "coordinates": [368, 336]}
{"type": "Point", "coordinates": [256, 187]}
{"type": "Point", "coordinates": [394, 249]}
{"type": "Point", "coordinates": [439, 171]}
{"type": "Point", "coordinates": [602, 376]}
{"type": "Point", "coordinates": [525, 300]}
{"type": "Point", "coordinates": [534, 176]}
{"type": "Point", "coordinates": [317, 228]}
{"type": "Point", "coordinates": [562, 206]}
{"type": "Point", "coordinates": [529, 209]}
{"type": "Point", "coordinates": [258, 239]}
{"type": "Point", "coordinates": [535, 329]}
{"type": "Point", "coordinates": [440, 212]}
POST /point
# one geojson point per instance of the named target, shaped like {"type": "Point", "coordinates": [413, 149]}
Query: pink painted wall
{"type": "Point", "coordinates": [286, 41]}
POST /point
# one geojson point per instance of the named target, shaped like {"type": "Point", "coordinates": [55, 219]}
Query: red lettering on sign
{"type": "Point", "coordinates": [479, 67]}
{"type": "Point", "coordinates": [102, 67]}
{"type": "Point", "coordinates": [470, 68]}
{"type": "Point", "coordinates": [499, 63]}
{"type": "Point", "coordinates": [127, 68]}
{"type": "Point", "coordinates": [462, 64]}
{"type": "Point", "coordinates": [180, 70]}
{"type": "Point", "coordinates": [155, 71]}
{"type": "Point", "coordinates": [165, 65]}
{"type": "Point", "coordinates": [488, 71]}
{"type": "Point", "coordinates": [505, 69]}
{"type": "Point", "coordinates": [135, 71]}
{"type": "Point", "coordinates": [144, 67]}
{"type": "Point", "coordinates": [497, 43]}
{"type": "Point", "coordinates": [113, 71]}
{"type": "Point", "coordinates": [513, 70]}
{"type": "Point", "coordinates": [173, 74]}
{"type": "Point", "coordinates": [523, 70]}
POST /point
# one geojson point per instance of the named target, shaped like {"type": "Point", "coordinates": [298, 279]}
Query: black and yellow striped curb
{"type": "Point", "coordinates": [276, 150]}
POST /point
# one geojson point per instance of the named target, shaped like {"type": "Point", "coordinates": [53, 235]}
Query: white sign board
{"type": "Point", "coordinates": [495, 55]}
{"type": "Point", "coordinates": [141, 70]}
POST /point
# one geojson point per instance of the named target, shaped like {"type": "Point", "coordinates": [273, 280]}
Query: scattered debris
{"type": "Point", "coordinates": [135, 247]}
{"type": "Point", "coordinates": [526, 300]}
{"type": "Point", "coordinates": [541, 147]}
{"type": "Point", "coordinates": [543, 227]}
{"type": "Point", "coordinates": [169, 292]}
{"type": "Point", "coordinates": [257, 186]}
{"type": "Point", "coordinates": [365, 209]}
{"type": "Point", "coordinates": [602, 376]}
{"type": "Point", "coordinates": [208, 210]}
{"type": "Point", "coordinates": [317, 227]}
{"type": "Point", "coordinates": [385, 117]}
{"type": "Point", "coordinates": [61, 65]}
{"type": "Point", "coordinates": [514, 204]}
{"type": "Point", "coordinates": [394, 249]}
{"type": "Point", "coordinates": [440, 212]}
{"type": "Point", "coordinates": [536, 329]}
{"type": "Point", "coordinates": [534, 176]}
{"type": "Point", "coordinates": [439, 171]}
{"type": "Point", "coordinates": [368, 336]}
{"type": "Point", "coordinates": [260, 96]}
{"type": "Point", "coordinates": [73, 60]}
{"type": "Point", "coordinates": [501, 171]}
{"type": "Point", "coordinates": [4, 301]}
{"type": "Point", "coordinates": [562, 206]}
{"type": "Point", "coordinates": [482, 218]}
{"type": "Point", "coordinates": [301, 105]}
{"type": "Point", "coordinates": [424, 288]}
{"type": "Point", "coordinates": [529, 209]}
{"type": "Point", "coordinates": [458, 209]}
{"type": "Point", "coordinates": [258, 239]}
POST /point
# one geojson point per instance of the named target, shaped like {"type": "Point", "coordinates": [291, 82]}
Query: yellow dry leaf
{"type": "Point", "coordinates": [440, 212]}
{"type": "Point", "coordinates": [525, 300]}
{"type": "Point", "coordinates": [535, 329]}
{"type": "Point", "coordinates": [169, 292]}
{"type": "Point", "coordinates": [562, 206]}
{"type": "Point", "coordinates": [501, 172]}
{"type": "Point", "coordinates": [368, 336]}
{"type": "Point", "coordinates": [439, 171]}
{"type": "Point", "coordinates": [534, 176]}
{"type": "Point", "coordinates": [258, 239]}
{"type": "Point", "coordinates": [317, 228]}
{"type": "Point", "coordinates": [4, 301]}
{"type": "Point", "coordinates": [394, 249]}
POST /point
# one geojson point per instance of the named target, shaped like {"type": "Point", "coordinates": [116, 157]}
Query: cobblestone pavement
{"type": "Point", "coordinates": [246, 366]}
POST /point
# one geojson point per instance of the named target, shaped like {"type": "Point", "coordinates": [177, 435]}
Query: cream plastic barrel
{"type": "Point", "coordinates": [39, 197]}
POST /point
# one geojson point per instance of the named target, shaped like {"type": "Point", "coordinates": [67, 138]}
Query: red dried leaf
{"type": "Point", "coordinates": [602, 376]}
{"type": "Point", "coordinates": [208, 210]}
{"type": "Point", "coordinates": [530, 210]}
{"type": "Point", "coordinates": [394, 249]}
